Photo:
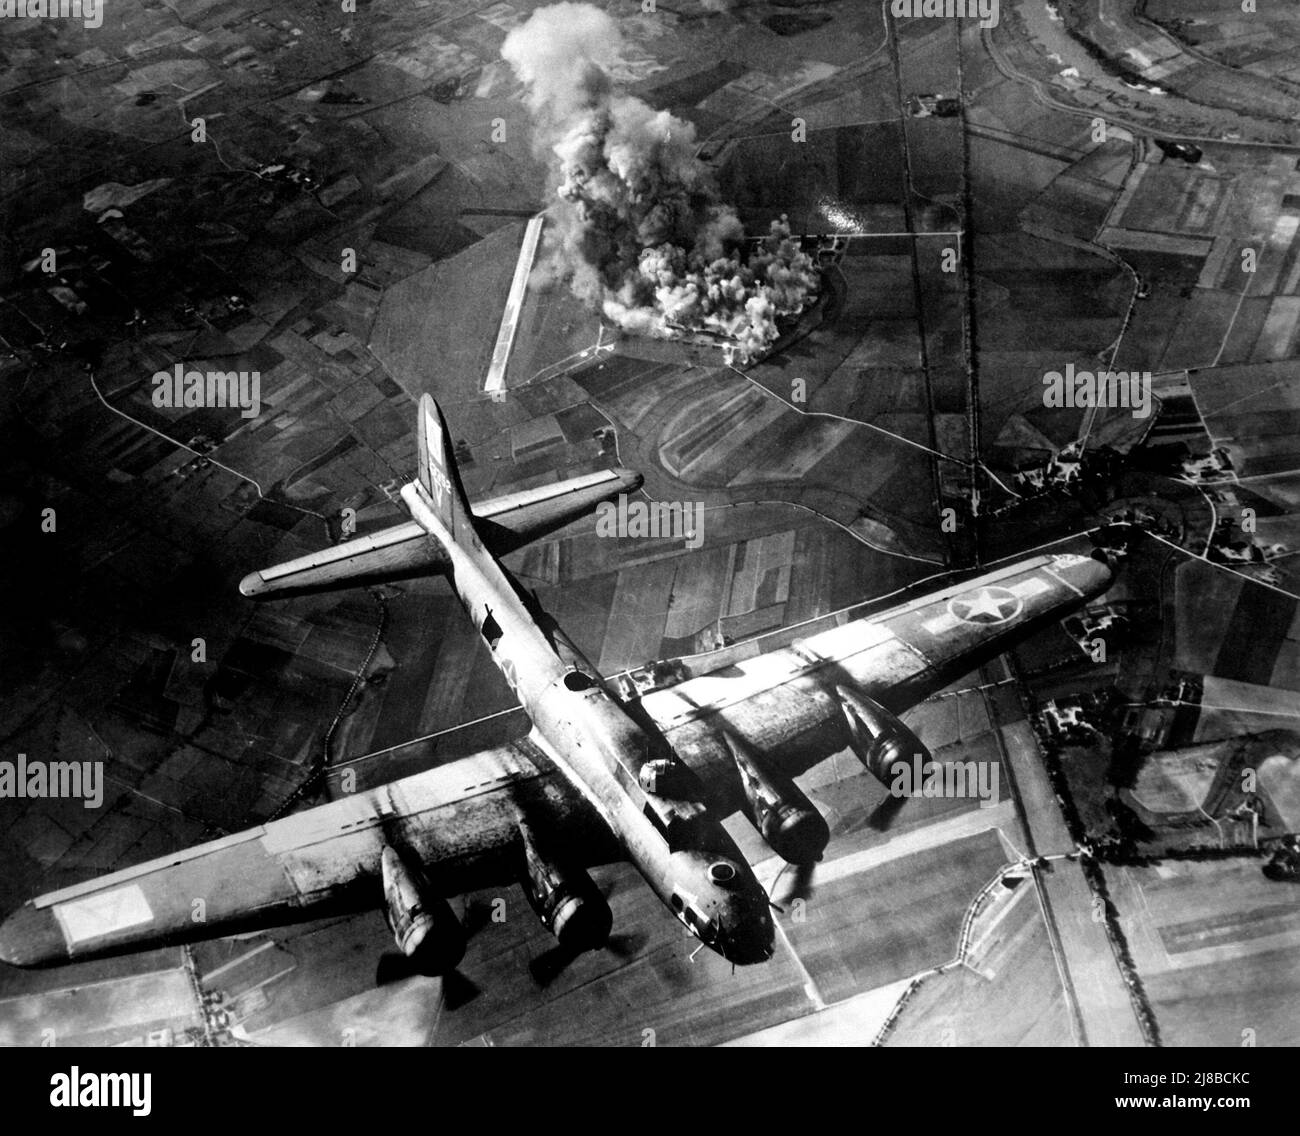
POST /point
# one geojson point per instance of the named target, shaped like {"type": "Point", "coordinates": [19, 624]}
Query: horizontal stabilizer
{"type": "Point", "coordinates": [405, 551]}
{"type": "Point", "coordinates": [395, 553]}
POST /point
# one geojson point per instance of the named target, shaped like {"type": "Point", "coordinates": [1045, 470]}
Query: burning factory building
{"type": "Point", "coordinates": [638, 231]}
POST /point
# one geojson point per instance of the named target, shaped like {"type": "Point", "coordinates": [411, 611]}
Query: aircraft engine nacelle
{"type": "Point", "coordinates": [423, 923]}
{"type": "Point", "coordinates": [879, 738]}
{"type": "Point", "coordinates": [565, 898]}
{"type": "Point", "coordinates": [786, 819]}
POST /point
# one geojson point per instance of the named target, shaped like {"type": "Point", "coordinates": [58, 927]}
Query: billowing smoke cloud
{"type": "Point", "coordinates": [641, 233]}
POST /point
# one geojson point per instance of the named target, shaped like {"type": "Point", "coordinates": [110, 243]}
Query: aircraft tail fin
{"type": "Point", "coordinates": [438, 473]}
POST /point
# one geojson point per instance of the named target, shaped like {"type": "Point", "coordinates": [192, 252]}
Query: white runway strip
{"type": "Point", "coordinates": [496, 375]}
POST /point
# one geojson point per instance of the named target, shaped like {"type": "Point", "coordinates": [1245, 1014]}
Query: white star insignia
{"type": "Point", "coordinates": [986, 606]}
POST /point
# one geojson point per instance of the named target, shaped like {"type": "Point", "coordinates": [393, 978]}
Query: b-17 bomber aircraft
{"type": "Point", "coordinates": [604, 774]}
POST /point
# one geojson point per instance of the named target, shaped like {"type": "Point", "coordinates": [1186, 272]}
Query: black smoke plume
{"type": "Point", "coordinates": [639, 231]}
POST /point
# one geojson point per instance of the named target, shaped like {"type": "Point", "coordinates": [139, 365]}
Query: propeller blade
{"type": "Point", "coordinates": [801, 882]}
{"type": "Point", "coordinates": [799, 887]}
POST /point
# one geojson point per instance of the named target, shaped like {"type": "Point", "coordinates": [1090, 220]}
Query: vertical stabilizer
{"type": "Point", "coordinates": [438, 473]}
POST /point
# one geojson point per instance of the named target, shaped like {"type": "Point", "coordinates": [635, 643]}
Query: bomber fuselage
{"type": "Point", "coordinates": [658, 814]}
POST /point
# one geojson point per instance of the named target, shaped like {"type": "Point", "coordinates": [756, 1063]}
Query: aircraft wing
{"type": "Point", "coordinates": [459, 820]}
{"type": "Point", "coordinates": [403, 551]}
{"type": "Point", "coordinates": [790, 705]}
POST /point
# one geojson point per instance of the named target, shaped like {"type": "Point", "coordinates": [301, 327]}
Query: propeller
{"type": "Point", "coordinates": [799, 887]}
{"type": "Point", "coordinates": [457, 988]}
{"type": "Point", "coordinates": [801, 877]}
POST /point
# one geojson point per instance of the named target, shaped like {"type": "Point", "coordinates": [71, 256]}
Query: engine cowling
{"type": "Point", "coordinates": [879, 739]}
{"type": "Point", "coordinates": [564, 897]}
{"type": "Point", "coordinates": [423, 924]}
{"type": "Point", "coordinates": [786, 819]}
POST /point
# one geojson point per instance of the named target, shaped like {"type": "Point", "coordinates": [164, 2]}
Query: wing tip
{"type": "Point", "coordinates": [253, 585]}
{"type": "Point", "coordinates": [30, 938]}
{"type": "Point", "coordinates": [630, 479]}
